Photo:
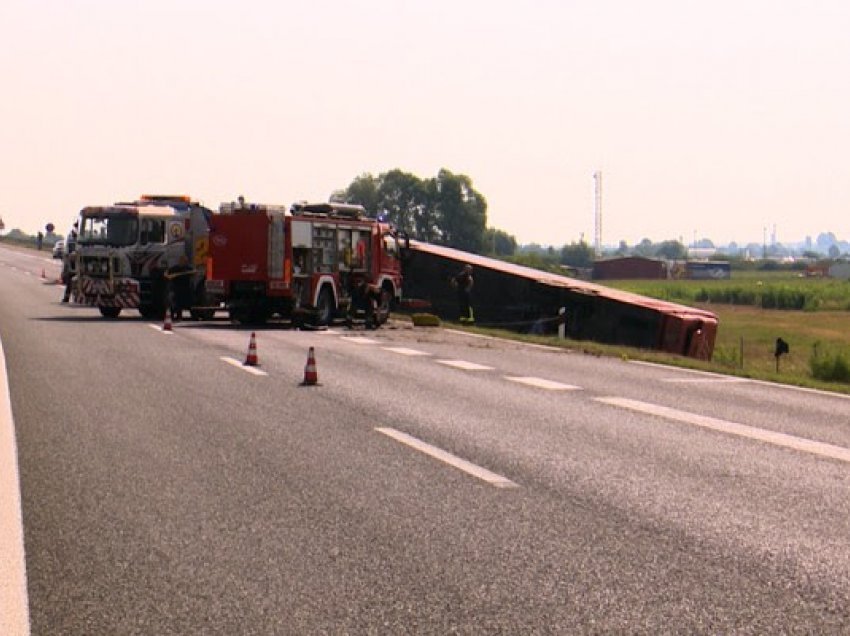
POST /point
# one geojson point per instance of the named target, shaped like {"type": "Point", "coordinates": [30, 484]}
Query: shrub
{"type": "Point", "coordinates": [425, 320]}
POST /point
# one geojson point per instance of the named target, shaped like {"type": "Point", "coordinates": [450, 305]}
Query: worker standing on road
{"type": "Point", "coordinates": [463, 282]}
{"type": "Point", "coordinates": [180, 278]}
{"type": "Point", "coordinates": [69, 263]}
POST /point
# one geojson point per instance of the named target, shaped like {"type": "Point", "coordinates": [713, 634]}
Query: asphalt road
{"type": "Point", "coordinates": [433, 483]}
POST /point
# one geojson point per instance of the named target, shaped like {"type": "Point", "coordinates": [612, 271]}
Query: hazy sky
{"type": "Point", "coordinates": [708, 119]}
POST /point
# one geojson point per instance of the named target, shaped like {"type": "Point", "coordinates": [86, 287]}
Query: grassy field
{"type": "Point", "coordinates": [768, 290]}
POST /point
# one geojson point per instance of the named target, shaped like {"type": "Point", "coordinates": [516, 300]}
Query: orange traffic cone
{"type": "Point", "coordinates": [251, 360]}
{"type": "Point", "coordinates": [166, 326]}
{"type": "Point", "coordinates": [311, 376]}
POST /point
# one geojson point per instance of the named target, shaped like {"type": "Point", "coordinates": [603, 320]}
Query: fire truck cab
{"type": "Point", "coordinates": [124, 249]}
{"type": "Point", "coordinates": [301, 264]}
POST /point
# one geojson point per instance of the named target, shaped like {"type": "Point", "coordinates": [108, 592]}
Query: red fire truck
{"type": "Point", "coordinates": [301, 264]}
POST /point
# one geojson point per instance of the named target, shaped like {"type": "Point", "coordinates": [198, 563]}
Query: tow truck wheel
{"type": "Point", "coordinates": [110, 312]}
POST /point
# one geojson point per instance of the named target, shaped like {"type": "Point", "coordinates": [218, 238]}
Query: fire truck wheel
{"type": "Point", "coordinates": [326, 307]}
{"type": "Point", "coordinates": [110, 312]}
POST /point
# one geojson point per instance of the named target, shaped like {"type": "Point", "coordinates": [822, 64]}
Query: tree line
{"type": "Point", "coordinates": [444, 210]}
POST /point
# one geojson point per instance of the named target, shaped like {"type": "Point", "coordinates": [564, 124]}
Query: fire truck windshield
{"type": "Point", "coordinates": [109, 229]}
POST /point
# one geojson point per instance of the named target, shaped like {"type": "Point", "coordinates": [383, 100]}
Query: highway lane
{"type": "Point", "coordinates": [177, 494]}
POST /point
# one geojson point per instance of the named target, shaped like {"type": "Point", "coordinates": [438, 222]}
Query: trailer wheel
{"type": "Point", "coordinates": [110, 312]}
{"type": "Point", "coordinates": [325, 308]}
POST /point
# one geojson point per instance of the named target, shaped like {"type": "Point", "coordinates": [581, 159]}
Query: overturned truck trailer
{"type": "Point", "coordinates": [524, 299]}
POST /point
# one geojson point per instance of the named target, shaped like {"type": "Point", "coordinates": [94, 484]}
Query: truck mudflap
{"type": "Point", "coordinates": [119, 292]}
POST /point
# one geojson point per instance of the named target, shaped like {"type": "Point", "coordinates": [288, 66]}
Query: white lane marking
{"type": "Point", "coordinates": [407, 352]}
{"type": "Point", "coordinates": [466, 366]}
{"type": "Point", "coordinates": [453, 460]}
{"type": "Point", "coordinates": [158, 328]}
{"type": "Point", "coordinates": [359, 340]}
{"type": "Point", "coordinates": [541, 383]}
{"type": "Point", "coordinates": [720, 380]}
{"type": "Point", "coordinates": [733, 428]}
{"type": "Point", "coordinates": [244, 367]}
{"type": "Point", "coordinates": [14, 606]}
{"type": "Point", "coordinates": [773, 385]}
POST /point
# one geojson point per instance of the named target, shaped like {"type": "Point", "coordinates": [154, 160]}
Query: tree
{"type": "Point", "coordinates": [499, 242]}
{"type": "Point", "coordinates": [460, 211]}
{"type": "Point", "coordinates": [404, 198]}
{"type": "Point", "coordinates": [445, 210]}
{"type": "Point", "coordinates": [577, 255]}
{"type": "Point", "coordinates": [671, 250]}
{"type": "Point", "coordinates": [645, 248]}
{"type": "Point", "coordinates": [362, 191]}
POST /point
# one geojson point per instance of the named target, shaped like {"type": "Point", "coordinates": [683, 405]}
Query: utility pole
{"type": "Point", "coordinates": [597, 236]}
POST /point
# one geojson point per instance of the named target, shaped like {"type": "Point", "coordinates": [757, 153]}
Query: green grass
{"type": "Point", "coordinates": [768, 290]}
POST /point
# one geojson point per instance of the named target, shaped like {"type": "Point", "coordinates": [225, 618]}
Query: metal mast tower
{"type": "Point", "coordinates": [597, 206]}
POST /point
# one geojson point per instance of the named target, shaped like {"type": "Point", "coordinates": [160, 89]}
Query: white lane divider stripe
{"type": "Point", "coordinates": [542, 383]}
{"type": "Point", "coordinates": [718, 380]}
{"type": "Point", "coordinates": [466, 366]}
{"type": "Point", "coordinates": [359, 340]}
{"type": "Point", "coordinates": [733, 428]}
{"type": "Point", "coordinates": [239, 365]}
{"type": "Point", "coordinates": [406, 352]}
{"type": "Point", "coordinates": [452, 460]}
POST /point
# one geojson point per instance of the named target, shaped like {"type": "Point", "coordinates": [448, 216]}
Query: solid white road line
{"type": "Point", "coordinates": [406, 352]}
{"type": "Point", "coordinates": [541, 383]}
{"type": "Point", "coordinates": [14, 608]}
{"type": "Point", "coordinates": [466, 366]}
{"type": "Point", "coordinates": [461, 464]}
{"type": "Point", "coordinates": [733, 428]}
{"type": "Point", "coordinates": [244, 367]}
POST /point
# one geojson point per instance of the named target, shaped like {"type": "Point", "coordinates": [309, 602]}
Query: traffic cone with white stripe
{"type": "Point", "coordinates": [251, 359]}
{"type": "Point", "coordinates": [311, 375]}
{"type": "Point", "coordinates": [166, 325]}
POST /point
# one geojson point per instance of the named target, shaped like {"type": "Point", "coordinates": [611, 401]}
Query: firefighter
{"type": "Point", "coordinates": [463, 282]}
{"type": "Point", "coordinates": [180, 278]}
{"type": "Point", "coordinates": [364, 299]}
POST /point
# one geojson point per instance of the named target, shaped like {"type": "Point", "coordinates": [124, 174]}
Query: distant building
{"type": "Point", "coordinates": [629, 267]}
{"type": "Point", "coordinates": [708, 270]}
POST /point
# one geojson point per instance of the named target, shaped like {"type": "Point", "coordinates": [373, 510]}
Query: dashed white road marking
{"type": "Point", "coordinates": [733, 428]}
{"type": "Point", "coordinates": [717, 380]}
{"type": "Point", "coordinates": [160, 329]}
{"type": "Point", "coordinates": [359, 340]}
{"type": "Point", "coordinates": [244, 367]}
{"type": "Point", "coordinates": [541, 383]}
{"type": "Point", "coordinates": [453, 460]}
{"type": "Point", "coordinates": [407, 352]}
{"type": "Point", "coordinates": [466, 366]}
